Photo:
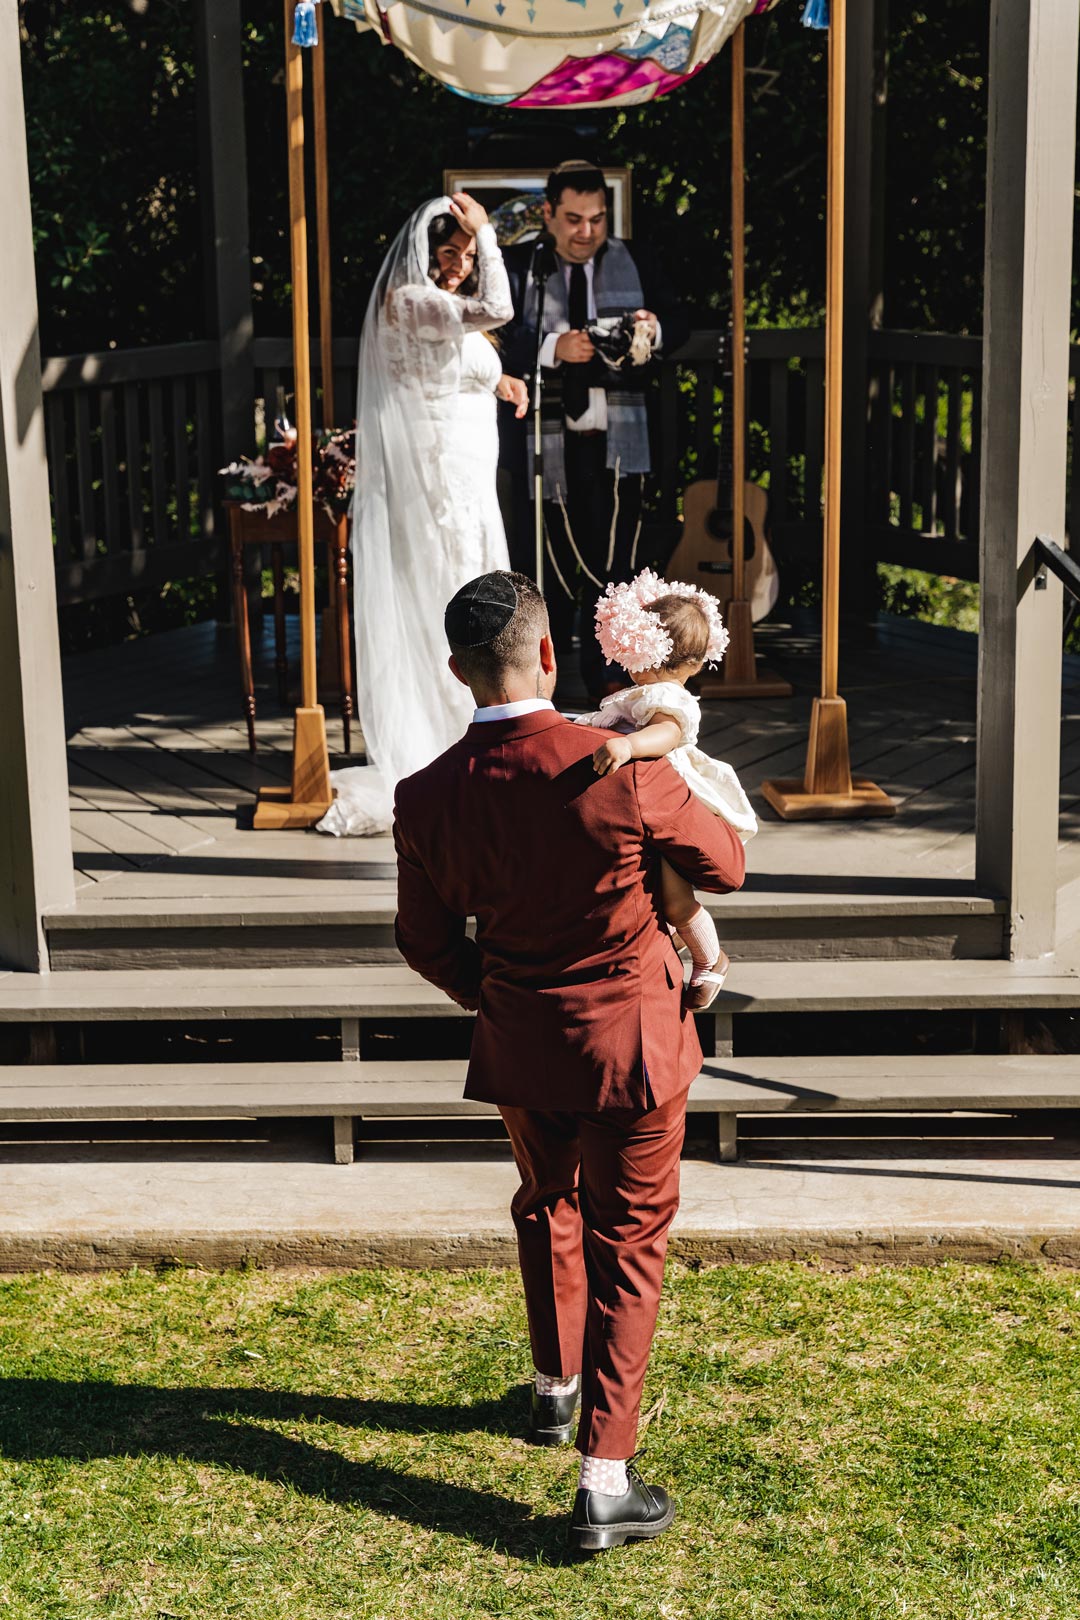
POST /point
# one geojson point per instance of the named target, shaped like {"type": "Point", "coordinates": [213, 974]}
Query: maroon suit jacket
{"type": "Point", "coordinates": [577, 986]}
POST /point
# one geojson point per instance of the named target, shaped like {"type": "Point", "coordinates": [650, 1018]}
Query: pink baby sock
{"type": "Point", "coordinates": [702, 941]}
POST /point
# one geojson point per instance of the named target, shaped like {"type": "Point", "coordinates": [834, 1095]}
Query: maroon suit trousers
{"type": "Point", "coordinates": [598, 1194]}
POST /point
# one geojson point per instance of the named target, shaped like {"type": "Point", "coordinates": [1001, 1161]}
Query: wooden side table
{"type": "Point", "coordinates": [255, 528]}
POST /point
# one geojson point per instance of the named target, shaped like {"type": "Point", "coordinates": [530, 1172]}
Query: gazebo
{"type": "Point", "coordinates": [1028, 257]}
{"type": "Point", "coordinates": [201, 919]}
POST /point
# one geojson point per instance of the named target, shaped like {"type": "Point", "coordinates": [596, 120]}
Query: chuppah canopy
{"type": "Point", "coordinates": [556, 53]}
{"type": "Point", "coordinates": [827, 788]}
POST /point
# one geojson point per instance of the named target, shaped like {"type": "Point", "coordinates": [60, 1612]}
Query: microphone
{"type": "Point", "coordinates": [543, 252]}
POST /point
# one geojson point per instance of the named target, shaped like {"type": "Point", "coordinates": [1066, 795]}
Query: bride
{"type": "Point", "coordinates": [425, 515]}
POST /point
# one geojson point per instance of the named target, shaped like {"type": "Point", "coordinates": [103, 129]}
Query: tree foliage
{"type": "Point", "coordinates": [110, 116]}
{"type": "Point", "coordinates": [111, 94]}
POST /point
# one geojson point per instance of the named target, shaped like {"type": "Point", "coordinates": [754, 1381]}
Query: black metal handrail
{"type": "Point", "coordinates": [1048, 554]}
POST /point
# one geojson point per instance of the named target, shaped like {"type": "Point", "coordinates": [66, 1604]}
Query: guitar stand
{"type": "Point", "coordinates": [740, 674]}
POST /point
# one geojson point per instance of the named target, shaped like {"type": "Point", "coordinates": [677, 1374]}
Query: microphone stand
{"type": "Point", "coordinates": [543, 262]}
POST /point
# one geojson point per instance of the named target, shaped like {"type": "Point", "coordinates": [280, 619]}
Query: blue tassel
{"type": "Point", "coordinates": [816, 14]}
{"type": "Point", "coordinates": [305, 28]}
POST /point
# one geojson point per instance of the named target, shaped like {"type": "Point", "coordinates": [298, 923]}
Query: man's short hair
{"type": "Point", "coordinates": [578, 174]}
{"type": "Point", "coordinates": [513, 648]}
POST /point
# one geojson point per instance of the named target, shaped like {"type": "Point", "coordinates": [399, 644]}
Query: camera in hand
{"type": "Point", "coordinates": [621, 340]}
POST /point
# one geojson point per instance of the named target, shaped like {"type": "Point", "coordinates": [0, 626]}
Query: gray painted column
{"type": "Point", "coordinates": [35, 832]}
{"type": "Point", "coordinates": [1029, 209]}
{"type": "Point", "coordinates": [857, 558]}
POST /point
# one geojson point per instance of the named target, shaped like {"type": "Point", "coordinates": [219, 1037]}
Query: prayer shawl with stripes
{"type": "Point", "coordinates": [616, 289]}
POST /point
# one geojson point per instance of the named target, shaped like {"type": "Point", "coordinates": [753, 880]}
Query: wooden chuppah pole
{"type": "Point", "coordinates": [834, 356]}
{"type": "Point", "coordinates": [335, 643]}
{"type": "Point", "coordinates": [310, 795]}
{"type": "Point", "coordinates": [738, 315]}
{"type": "Point", "coordinates": [827, 790]}
{"type": "Point", "coordinates": [322, 228]}
{"type": "Point", "coordinates": [739, 675]}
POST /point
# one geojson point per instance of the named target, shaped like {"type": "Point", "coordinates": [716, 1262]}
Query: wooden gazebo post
{"type": "Point", "coordinates": [35, 827]}
{"type": "Point", "coordinates": [827, 790]}
{"type": "Point", "coordinates": [1030, 175]}
{"type": "Point", "coordinates": [309, 797]}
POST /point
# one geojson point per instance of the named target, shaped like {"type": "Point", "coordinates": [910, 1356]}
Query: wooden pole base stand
{"type": "Point", "coordinates": [789, 799]}
{"type": "Point", "coordinates": [310, 796]}
{"type": "Point", "coordinates": [827, 792]}
{"type": "Point", "coordinates": [741, 676]}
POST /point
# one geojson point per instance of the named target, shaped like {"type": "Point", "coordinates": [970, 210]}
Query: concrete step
{"type": "Point", "coordinates": [773, 918]}
{"type": "Point", "coordinates": [433, 1090]}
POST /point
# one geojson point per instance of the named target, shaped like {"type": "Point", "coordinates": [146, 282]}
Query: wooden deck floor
{"type": "Point", "coordinates": [162, 783]}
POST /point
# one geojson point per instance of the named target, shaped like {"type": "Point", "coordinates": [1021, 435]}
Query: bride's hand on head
{"type": "Point", "coordinates": [515, 391]}
{"type": "Point", "coordinates": [469, 214]}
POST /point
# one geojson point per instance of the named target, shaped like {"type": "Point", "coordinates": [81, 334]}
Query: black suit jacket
{"type": "Point", "coordinates": [518, 341]}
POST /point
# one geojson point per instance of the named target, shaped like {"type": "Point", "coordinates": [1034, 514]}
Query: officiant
{"type": "Point", "coordinates": [595, 430]}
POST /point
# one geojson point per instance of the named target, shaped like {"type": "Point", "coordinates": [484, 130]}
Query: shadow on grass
{"type": "Point", "coordinates": [49, 1419]}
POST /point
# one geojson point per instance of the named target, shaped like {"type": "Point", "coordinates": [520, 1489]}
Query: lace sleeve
{"type": "Point", "coordinates": [492, 305]}
{"type": "Point", "coordinates": [435, 316]}
{"type": "Point", "coordinates": [666, 697]}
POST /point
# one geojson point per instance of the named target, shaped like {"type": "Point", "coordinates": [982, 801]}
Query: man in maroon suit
{"type": "Point", "coordinates": [581, 1037]}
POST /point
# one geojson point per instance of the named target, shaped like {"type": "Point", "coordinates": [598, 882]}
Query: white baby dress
{"type": "Point", "coordinates": [710, 780]}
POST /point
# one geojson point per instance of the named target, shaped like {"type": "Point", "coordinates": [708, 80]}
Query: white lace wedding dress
{"type": "Point", "coordinates": [426, 516]}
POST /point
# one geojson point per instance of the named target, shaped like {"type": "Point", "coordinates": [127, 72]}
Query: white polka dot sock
{"type": "Point", "coordinates": [604, 1475]}
{"type": "Point", "coordinates": [546, 1385]}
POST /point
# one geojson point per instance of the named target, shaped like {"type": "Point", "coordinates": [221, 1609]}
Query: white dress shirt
{"type": "Point", "coordinates": [510, 711]}
{"type": "Point", "coordinates": [595, 417]}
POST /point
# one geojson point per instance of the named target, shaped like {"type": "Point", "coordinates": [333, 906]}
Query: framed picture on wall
{"type": "Point", "coordinates": [514, 198]}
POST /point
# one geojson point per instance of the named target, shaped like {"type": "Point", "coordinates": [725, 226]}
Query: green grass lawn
{"type": "Point", "coordinates": [900, 1443]}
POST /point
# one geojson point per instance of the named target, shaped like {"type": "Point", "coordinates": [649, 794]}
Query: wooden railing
{"type": "Point", "coordinates": [134, 445]}
{"type": "Point", "coordinates": [923, 440]}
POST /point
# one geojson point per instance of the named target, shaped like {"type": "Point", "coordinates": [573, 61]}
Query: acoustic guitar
{"type": "Point", "coordinates": [703, 554]}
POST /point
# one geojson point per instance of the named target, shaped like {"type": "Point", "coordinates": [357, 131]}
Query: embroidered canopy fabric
{"type": "Point", "coordinates": [556, 53]}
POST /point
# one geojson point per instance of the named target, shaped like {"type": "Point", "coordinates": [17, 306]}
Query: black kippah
{"type": "Point", "coordinates": [480, 610]}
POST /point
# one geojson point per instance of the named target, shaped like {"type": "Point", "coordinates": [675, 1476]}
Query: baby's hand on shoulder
{"type": "Point", "coordinates": [610, 755]}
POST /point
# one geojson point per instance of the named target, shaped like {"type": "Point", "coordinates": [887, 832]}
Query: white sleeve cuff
{"type": "Point", "coordinates": [547, 350]}
{"type": "Point", "coordinates": [486, 240]}
{"type": "Point", "coordinates": [659, 343]}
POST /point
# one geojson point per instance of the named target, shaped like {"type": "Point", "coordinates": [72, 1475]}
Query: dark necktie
{"type": "Point", "coordinates": [575, 386]}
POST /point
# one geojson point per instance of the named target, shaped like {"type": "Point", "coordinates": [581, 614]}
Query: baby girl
{"type": "Point", "coordinates": [662, 634]}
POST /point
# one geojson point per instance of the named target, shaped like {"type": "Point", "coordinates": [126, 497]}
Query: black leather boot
{"type": "Point", "coordinates": [599, 1521]}
{"type": "Point", "coordinates": [553, 1418]}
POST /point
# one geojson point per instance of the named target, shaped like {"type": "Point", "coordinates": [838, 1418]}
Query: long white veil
{"type": "Point", "coordinates": [410, 706]}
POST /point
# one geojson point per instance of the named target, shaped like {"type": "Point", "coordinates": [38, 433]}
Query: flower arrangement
{"type": "Point", "coordinates": [634, 638]}
{"type": "Point", "coordinates": [269, 484]}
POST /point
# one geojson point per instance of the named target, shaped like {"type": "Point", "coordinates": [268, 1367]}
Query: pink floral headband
{"type": "Point", "coordinates": [634, 638]}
